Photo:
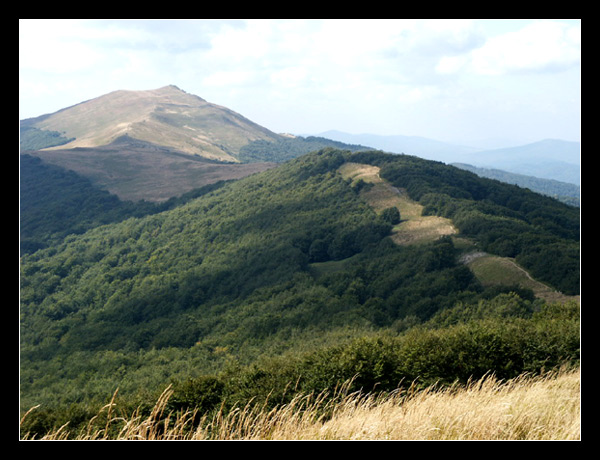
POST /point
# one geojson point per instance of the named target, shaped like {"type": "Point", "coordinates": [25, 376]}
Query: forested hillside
{"type": "Point", "coordinates": [55, 202]}
{"type": "Point", "coordinates": [562, 191]}
{"type": "Point", "coordinates": [287, 148]}
{"type": "Point", "coordinates": [293, 260]}
{"type": "Point", "coordinates": [540, 232]}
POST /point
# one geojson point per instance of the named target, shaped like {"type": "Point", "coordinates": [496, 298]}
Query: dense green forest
{"type": "Point", "coordinates": [562, 191]}
{"type": "Point", "coordinates": [289, 276]}
{"type": "Point", "coordinates": [290, 147]}
{"type": "Point", "coordinates": [504, 219]}
{"type": "Point", "coordinates": [55, 202]}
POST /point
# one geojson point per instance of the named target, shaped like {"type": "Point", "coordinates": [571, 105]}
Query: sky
{"type": "Point", "coordinates": [483, 83]}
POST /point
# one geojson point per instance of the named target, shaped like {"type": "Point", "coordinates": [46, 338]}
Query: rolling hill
{"type": "Point", "coordinates": [566, 192]}
{"type": "Point", "coordinates": [290, 259]}
{"type": "Point", "coordinates": [307, 271]}
{"type": "Point", "coordinates": [548, 159]}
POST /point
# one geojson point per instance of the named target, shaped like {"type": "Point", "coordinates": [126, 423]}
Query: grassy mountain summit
{"type": "Point", "coordinates": [165, 116]}
{"type": "Point", "coordinates": [158, 144]}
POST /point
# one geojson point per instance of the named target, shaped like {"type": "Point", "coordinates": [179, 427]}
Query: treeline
{"type": "Point", "coordinates": [503, 335]}
{"type": "Point", "coordinates": [36, 139]}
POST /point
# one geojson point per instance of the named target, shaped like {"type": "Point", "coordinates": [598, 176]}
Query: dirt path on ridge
{"type": "Point", "coordinates": [414, 227]}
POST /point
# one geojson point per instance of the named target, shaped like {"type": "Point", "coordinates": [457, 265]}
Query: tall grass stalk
{"type": "Point", "coordinates": [526, 408]}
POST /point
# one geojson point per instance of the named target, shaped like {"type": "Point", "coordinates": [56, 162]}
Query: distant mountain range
{"type": "Point", "coordinates": [160, 143]}
{"type": "Point", "coordinates": [422, 147]}
{"type": "Point", "coordinates": [548, 159]}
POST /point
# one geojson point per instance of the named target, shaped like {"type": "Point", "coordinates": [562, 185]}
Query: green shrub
{"type": "Point", "coordinates": [391, 215]}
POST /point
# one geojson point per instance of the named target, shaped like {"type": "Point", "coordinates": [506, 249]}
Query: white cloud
{"type": "Point", "coordinates": [53, 48]}
{"type": "Point", "coordinates": [229, 79]}
{"type": "Point", "coordinates": [437, 37]}
{"type": "Point", "coordinates": [451, 64]}
{"type": "Point", "coordinates": [357, 75]}
{"type": "Point", "coordinates": [240, 44]}
{"type": "Point", "coordinates": [290, 77]}
{"type": "Point", "coordinates": [540, 46]}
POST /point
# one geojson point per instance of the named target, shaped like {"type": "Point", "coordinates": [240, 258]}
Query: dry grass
{"type": "Point", "coordinates": [422, 230]}
{"type": "Point", "coordinates": [495, 270]}
{"type": "Point", "coordinates": [526, 408]}
{"type": "Point", "coordinates": [137, 171]}
{"type": "Point", "coordinates": [414, 227]}
{"type": "Point", "coordinates": [165, 116]}
{"type": "Point", "coordinates": [522, 409]}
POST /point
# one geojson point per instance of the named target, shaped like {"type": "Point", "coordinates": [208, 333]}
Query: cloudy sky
{"type": "Point", "coordinates": [464, 81]}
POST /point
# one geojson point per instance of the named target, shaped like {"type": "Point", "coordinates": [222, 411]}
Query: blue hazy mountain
{"type": "Point", "coordinates": [547, 159]}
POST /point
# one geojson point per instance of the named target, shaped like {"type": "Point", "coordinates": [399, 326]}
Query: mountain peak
{"type": "Point", "coordinates": [167, 116]}
{"type": "Point", "coordinates": [174, 89]}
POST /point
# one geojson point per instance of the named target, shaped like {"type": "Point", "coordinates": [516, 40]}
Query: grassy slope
{"type": "Point", "coordinates": [495, 270]}
{"type": "Point", "coordinates": [415, 228]}
{"type": "Point", "coordinates": [166, 116]}
{"type": "Point", "coordinates": [525, 408]}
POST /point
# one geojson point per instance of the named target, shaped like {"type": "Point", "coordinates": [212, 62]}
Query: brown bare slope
{"type": "Point", "coordinates": [166, 116]}
{"type": "Point", "coordinates": [137, 170]}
